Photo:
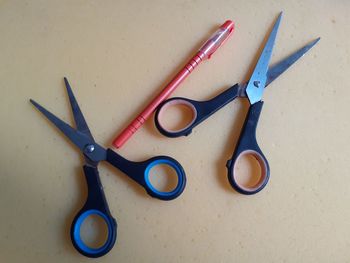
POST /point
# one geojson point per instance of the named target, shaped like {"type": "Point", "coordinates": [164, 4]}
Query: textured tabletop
{"type": "Point", "coordinates": [117, 55]}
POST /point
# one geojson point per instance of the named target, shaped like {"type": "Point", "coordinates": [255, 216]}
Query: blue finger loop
{"type": "Point", "coordinates": [76, 232]}
{"type": "Point", "coordinates": [178, 174]}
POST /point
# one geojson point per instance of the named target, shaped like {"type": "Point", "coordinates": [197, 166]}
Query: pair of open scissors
{"type": "Point", "coordinates": [261, 77]}
{"type": "Point", "coordinates": [96, 203]}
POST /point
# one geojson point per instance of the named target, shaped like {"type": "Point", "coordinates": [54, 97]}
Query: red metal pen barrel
{"type": "Point", "coordinates": [205, 52]}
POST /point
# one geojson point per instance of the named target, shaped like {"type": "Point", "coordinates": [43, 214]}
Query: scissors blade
{"type": "Point", "coordinates": [81, 140]}
{"type": "Point", "coordinates": [257, 81]}
{"type": "Point", "coordinates": [276, 70]}
{"type": "Point", "coordinates": [78, 115]}
{"type": "Point", "coordinates": [78, 138]}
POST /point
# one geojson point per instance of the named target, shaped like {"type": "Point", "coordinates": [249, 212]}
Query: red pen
{"type": "Point", "coordinates": [205, 52]}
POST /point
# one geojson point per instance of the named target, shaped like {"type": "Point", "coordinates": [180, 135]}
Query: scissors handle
{"type": "Point", "coordinates": [247, 145]}
{"type": "Point", "coordinates": [201, 110]}
{"type": "Point", "coordinates": [95, 204]}
{"type": "Point", "coordinates": [140, 173]}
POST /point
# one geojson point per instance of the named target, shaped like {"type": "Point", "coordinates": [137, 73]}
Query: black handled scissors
{"type": "Point", "coordinates": [261, 77]}
{"type": "Point", "coordinates": [96, 203]}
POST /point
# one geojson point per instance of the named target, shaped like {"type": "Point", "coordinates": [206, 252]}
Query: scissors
{"type": "Point", "coordinates": [96, 203]}
{"type": "Point", "coordinates": [253, 90]}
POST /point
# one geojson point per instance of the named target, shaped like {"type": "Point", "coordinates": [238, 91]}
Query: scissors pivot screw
{"type": "Point", "coordinates": [89, 148]}
{"type": "Point", "coordinates": [256, 83]}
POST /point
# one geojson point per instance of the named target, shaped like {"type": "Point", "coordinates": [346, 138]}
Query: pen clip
{"type": "Point", "coordinates": [217, 39]}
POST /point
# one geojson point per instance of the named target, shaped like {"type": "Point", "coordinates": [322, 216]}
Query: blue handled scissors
{"type": "Point", "coordinates": [96, 203]}
{"type": "Point", "coordinates": [261, 77]}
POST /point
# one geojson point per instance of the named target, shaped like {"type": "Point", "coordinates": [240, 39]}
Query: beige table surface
{"type": "Point", "coordinates": [117, 54]}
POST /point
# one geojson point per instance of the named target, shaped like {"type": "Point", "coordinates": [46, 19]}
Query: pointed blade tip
{"type": "Point", "coordinates": [66, 82]}
{"type": "Point", "coordinates": [279, 16]}
{"type": "Point", "coordinates": [33, 102]}
{"type": "Point", "coordinates": [314, 42]}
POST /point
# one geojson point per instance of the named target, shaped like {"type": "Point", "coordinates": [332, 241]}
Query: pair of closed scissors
{"type": "Point", "coordinates": [96, 203]}
{"type": "Point", "coordinates": [261, 77]}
